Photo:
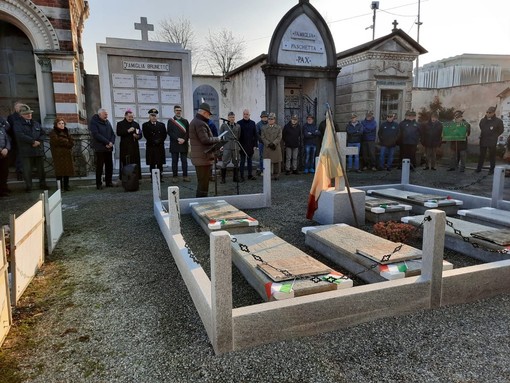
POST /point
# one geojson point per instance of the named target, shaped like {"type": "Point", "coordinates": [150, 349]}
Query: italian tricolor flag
{"type": "Point", "coordinates": [393, 268]}
{"type": "Point", "coordinates": [274, 287]}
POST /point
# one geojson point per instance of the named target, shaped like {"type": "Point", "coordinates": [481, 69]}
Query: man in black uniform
{"type": "Point", "coordinates": [155, 134]}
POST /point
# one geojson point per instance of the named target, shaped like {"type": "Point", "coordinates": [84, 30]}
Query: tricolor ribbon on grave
{"type": "Point", "coordinates": [274, 287]}
{"type": "Point", "coordinates": [334, 277]}
{"type": "Point", "coordinates": [219, 223]}
{"type": "Point", "coordinates": [328, 167]}
{"type": "Point", "coordinates": [393, 268]}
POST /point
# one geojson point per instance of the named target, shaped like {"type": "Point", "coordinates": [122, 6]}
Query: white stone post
{"type": "Point", "coordinates": [344, 150]}
{"type": "Point", "coordinates": [173, 210]}
{"type": "Point", "coordinates": [498, 185]}
{"type": "Point", "coordinates": [406, 169]}
{"type": "Point", "coordinates": [266, 181]}
{"type": "Point", "coordinates": [221, 292]}
{"type": "Point", "coordinates": [156, 185]}
{"type": "Point", "coordinates": [433, 252]}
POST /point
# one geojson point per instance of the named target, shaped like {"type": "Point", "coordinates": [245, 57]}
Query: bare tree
{"type": "Point", "coordinates": [224, 51]}
{"type": "Point", "coordinates": [177, 31]}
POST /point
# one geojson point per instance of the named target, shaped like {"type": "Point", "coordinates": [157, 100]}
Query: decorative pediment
{"type": "Point", "coordinates": [393, 45]}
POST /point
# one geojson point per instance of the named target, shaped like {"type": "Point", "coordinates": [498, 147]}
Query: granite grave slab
{"type": "Point", "coordinates": [459, 237]}
{"type": "Point", "coordinates": [343, 244]}
{"type": "Point", "coordinates": [420, 202]}
{"type": "Point", "coordinates": [383, 210]}
{"type": "Point", "coordinates": [220, 215]}
{"type": "Point", "coordinates": [278, 270]}
{"type": "Point", "coordinates": [487, 216]}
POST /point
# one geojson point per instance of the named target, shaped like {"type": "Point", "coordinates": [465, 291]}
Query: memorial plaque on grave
{"type": "Point", "coordinates": [298, 266]}
{"type": "Point", "coordinates": [499, 237]}
{"type": "Point", "coordinates": [380, 250]}
{"type": "Point", "coordinates": [377, 202]}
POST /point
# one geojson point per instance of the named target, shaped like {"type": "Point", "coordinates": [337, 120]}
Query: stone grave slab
{"type": "Point", "coordinates": [499, 237]}
{"type": "Point", "coordinates": [340, 243]}
{"type": "Point", "coordinates": [419, 202]}
{"type": "Point", "coordinates": [456, 241]}
{"type": "Point", "coordinates": [274, 253]}
{"type": "Point", "coordinates": [220, 215]}
{"type": "Point", "coordinates": [487, 216]}
{"type": "Point", "coordinates": [383, 210]}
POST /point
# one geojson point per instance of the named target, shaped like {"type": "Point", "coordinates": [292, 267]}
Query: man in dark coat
{"type": "Point", "coordinates": [30, 137]}
{"type": "Point", "coordinates": [202, 148]}
{"type": "Point", "coordinates": [292, 138]}
{"type": "Point", "coordinates": [410, 137]}
{"type": "Point", "coordinates": [431, 134]}
{"type": "Point", "coordinates": [11, 118]}
{"type": "Point", "coordinates": [491, 128]}
{"type": "Point", "coordinates": [249, 141]}
{"type": "Point", "coordinates": [388, 135]}
{"type": "Point", "coordinates": [130, 133]}
{"type": "Point", "coordinates": [103, 140]}
{"type": "Point", "coordinates": [155, 134]}
{"type": "Point", "coordinates": [178, 130]}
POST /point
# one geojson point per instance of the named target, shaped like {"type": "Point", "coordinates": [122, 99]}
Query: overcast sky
{"type": "Point", "coordinates": [450, 27]}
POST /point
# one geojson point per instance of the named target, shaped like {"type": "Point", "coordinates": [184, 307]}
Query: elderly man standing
{"type": "Point", "coordinates": [202, 148]}
{"type": "Point", "coordinates": [491, 128]}
{"type": "Point", "coordinates": [103, 140]}
{"type": "Point", "coordinates": [248, 141]}
{"type": "Point", "coordinates": [30, 137]}
{"type": "Point", "coordinates": [271, 136]}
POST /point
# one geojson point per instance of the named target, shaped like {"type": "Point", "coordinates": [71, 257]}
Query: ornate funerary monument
{"type": "Point", "coordinates": [142, 74]}
{"type": "Point", "coordinates": [301, 65]}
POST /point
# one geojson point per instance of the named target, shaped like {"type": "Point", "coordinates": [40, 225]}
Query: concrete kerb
{"type": "Point", "coordinates": [236, 329]}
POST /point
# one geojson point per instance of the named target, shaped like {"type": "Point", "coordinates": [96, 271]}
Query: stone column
{"type": "Point", "coordinates": [47, 92]}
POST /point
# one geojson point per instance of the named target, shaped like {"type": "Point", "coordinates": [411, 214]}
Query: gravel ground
{"type": "Point", "coordinates": [129, 317]}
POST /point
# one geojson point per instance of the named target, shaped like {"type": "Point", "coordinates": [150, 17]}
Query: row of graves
{"type": "Point", "coordinates": [23, 245]}
{"type": "Point", "coordinates": [294, 286]}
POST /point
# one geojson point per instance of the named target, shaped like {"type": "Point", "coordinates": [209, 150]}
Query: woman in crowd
{"type": "Point", "coordinates": [61, 144]}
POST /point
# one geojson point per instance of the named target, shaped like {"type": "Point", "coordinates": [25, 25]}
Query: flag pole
{"type": "Point", "coordinates": [347, 186]}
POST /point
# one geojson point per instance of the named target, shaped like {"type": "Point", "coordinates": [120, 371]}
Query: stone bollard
{"type": "Point", "coordinates": [174, 214]}
{"type": "Point", "coordinates": [433, 252]}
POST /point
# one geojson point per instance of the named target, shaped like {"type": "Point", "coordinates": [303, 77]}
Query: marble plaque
{"type": "Point", "coordinates": [170, 97]}
{"type": "Point", "coordinates": [170, 82]}
{"type": "Point", "coordinates": [143, 111]}
{"type": "Point", "coordinates": [120, 109]}
{"type": "Point", "coordinates": [123, 95]}
{"type": "Point", "coordinates": [120, 80]}
{"type": "Point", "coordinates": [147, 96]}
{"type": "Point", "coordinates": [167, 111]}
{"type": "Point", "coordinates": [145, 81]}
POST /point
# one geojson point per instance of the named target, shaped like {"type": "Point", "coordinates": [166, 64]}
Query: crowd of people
{"type": "Point", "coordinates": [289, 148]}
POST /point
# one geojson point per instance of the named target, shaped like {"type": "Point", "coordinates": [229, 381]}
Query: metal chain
{"type": "Point", "coordinates": [477, 181]}
{"type": "Point", "coordinates": [474, 244]}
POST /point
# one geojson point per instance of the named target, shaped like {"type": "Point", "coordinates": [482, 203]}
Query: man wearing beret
{"type": "Point", "coordinates": [202, 148]}
{"type": "Point", "coordinates": [491, 128]}
{"type": "Point", "coordinates": [155, 134]}
{"type": "Point", "coordinates": [30, 137]}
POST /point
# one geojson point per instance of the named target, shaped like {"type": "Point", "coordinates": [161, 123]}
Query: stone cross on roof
{"type": "Point", "coordinates": [394, 25]}
{"type": "Point", "coordinates": [144, 27]}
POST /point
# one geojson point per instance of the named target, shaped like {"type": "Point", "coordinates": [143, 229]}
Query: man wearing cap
{"type": "Point", "coordinates": [202, 148]}
{"type": "Point", "coordinates": [30, 137]}
{"type": "Point", "coordinates": [178, 131]}
{"type": "Point", "coordinates": [491, 128]}
{"type": "Point", "coordinates": [155, 134]}
{"type": "Point", "coordinates": [368, 141]}
{"type": "Point", "coordinates": [410, 137]}
{"type": "Point", "coordinates": [388, 135]}
{"type": "Point", "coordinates": [248, 141]}
{"type": "Point", "coordinates": [271, 136]}
{"type": "Point", "coordinates": [103, 140]}
{"type": "Point", "coordinates": [459, 148]}
{"type": "Point", "coordinates": [292, 138]}
{"type": "Point", "coordinates": [260, 124]}
{"type": "Point", "coordinates": [231, 147]}
{"type": "Point", "coordinates": [354, 131]}
{"type": "Point", "coordinates": [311, 135]}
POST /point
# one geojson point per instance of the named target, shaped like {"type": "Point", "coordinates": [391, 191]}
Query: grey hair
{"type": "Point", "coordinates": [100, 110]}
